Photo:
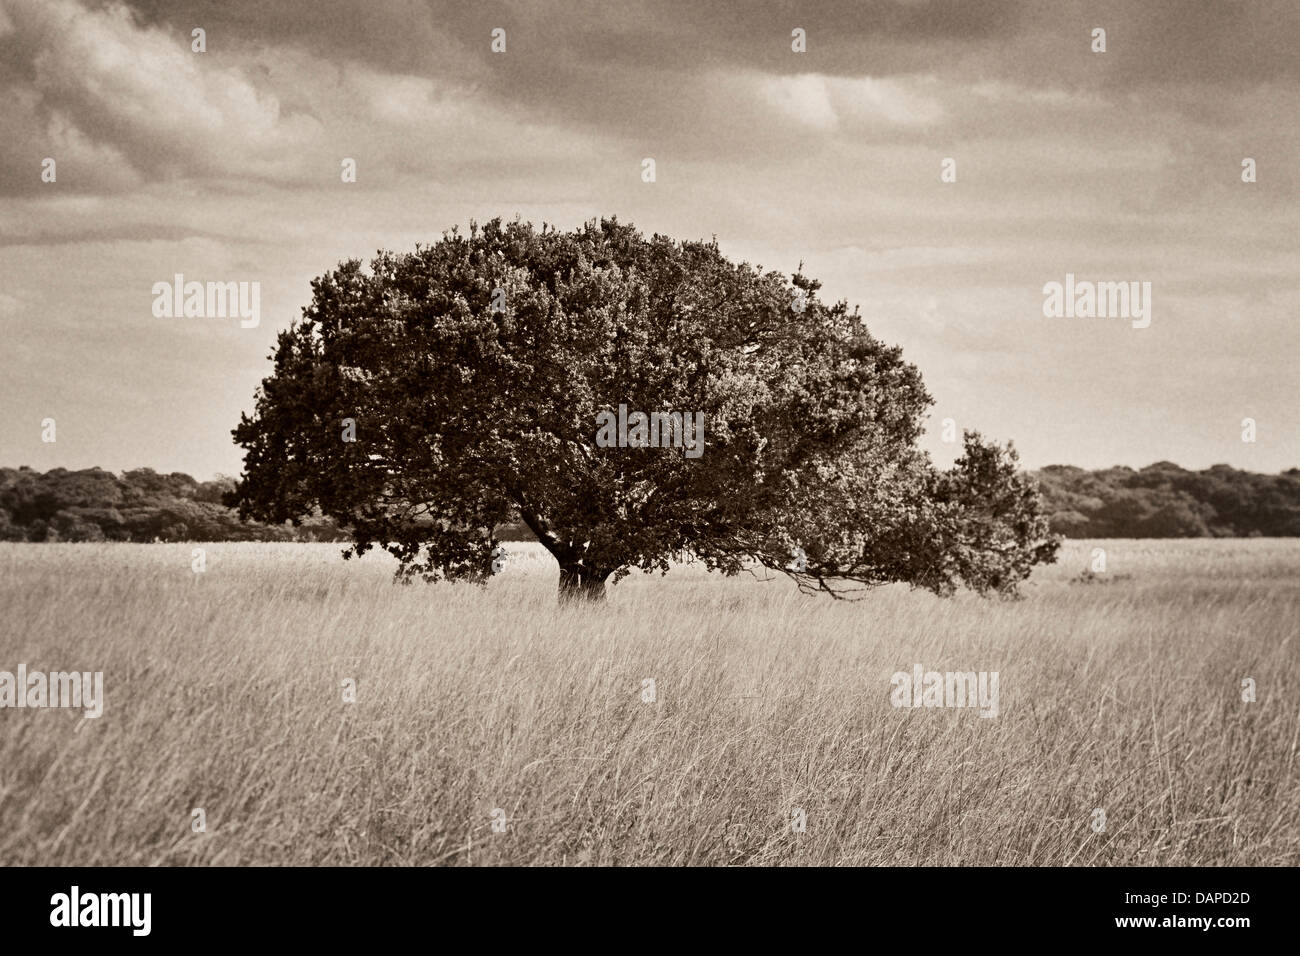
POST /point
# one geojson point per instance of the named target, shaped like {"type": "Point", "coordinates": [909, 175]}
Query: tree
{"type": "Point", "coordinates": [444, 393]}
{"type": "Point", "coordinates": [1176, 519]}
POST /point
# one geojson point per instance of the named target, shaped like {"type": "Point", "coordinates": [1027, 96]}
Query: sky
{"type": "Point", "coordinates": [225, 165]}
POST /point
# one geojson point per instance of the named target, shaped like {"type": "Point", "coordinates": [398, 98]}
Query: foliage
{"type": "Point", "coordinates": [140, 505]}
{"type": "Point", "coordinates": [1166, 501]}
{"type": "Point", "coordinates": [474, 370]}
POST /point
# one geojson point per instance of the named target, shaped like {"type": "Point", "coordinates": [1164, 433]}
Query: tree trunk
{"type": "Point", "coordinates": [579, 584]}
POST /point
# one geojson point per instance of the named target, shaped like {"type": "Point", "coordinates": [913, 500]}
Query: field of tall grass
{"type": "Point", "coordinates": [1120, 691]}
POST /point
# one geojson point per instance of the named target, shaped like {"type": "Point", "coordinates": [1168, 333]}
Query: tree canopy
{"type": "Point", "coordinates": [430, 400]}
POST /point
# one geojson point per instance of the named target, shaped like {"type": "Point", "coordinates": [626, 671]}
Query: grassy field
{"type": "Point", "coordinates": [224, 692]}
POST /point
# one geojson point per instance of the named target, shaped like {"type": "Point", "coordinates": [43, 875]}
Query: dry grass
{"type": "Point", "coordinates": [223, 692]}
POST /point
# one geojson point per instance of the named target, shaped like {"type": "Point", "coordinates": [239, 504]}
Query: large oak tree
{"type": "Point", "coordinates": [473, 371]}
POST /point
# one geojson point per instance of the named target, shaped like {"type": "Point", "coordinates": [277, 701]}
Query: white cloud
{"type": "Point", "coordinates": [830, 102]}
{"type": "Point", "coordinates": [152, 96]}
{"type": "Point", "coordinates": [805, 99]}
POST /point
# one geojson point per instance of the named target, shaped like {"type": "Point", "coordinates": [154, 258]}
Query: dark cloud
{"type": "Point", "coordinates": [648, 75]}
{"type": "Point", "coordinates": [1155, 41]}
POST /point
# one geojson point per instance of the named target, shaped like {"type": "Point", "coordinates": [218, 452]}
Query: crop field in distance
{"type": "Point", "coordinates": [491, 726]}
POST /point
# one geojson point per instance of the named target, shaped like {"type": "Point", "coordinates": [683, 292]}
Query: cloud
{"type": "Point", "coordinates": [804, 99]}
{"type": "Point", "coordinates": [143, 95]}
{"type": "Point", "coordinates": [34, 133]}
{"type": "Point", "coordinates": [120, 103]}
{"type": "Point", "coordinates": [834, 102]}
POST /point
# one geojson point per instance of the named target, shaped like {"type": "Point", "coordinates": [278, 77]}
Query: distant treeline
{"type": "Point", "coordinates": [139, 505]}
{"type": "Point", "coordinates": [1166, 501]}
{"type": "Point", "coordinates": [1159, 501]}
